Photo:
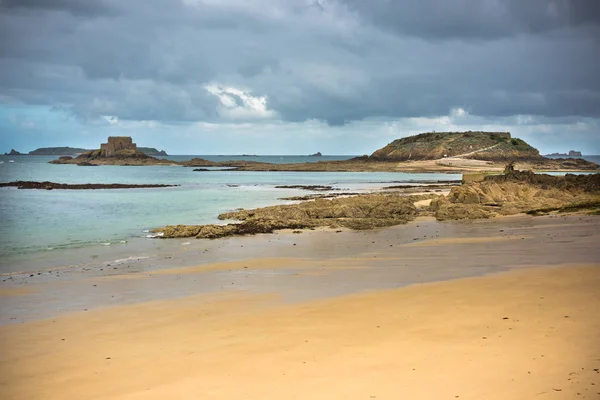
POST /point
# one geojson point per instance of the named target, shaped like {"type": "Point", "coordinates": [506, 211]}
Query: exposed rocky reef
{"type": "Point", "coordinates": [86, 186]}
{"type": "Point", "coordinates": [359, 212]}
{"type": "Point", "coordinates": [511, 193]}
{"type": "Point", "coordinates": [516, 192]}
{"type": "Point", "coordinates": [305, 187]}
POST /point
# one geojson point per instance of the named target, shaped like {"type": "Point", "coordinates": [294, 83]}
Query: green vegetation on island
{"type": "Point", "coordinates": [488, 146]}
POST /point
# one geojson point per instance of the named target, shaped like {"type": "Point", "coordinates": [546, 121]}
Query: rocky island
{"type": "Point", "coordinates": [119, 150]}
{"type": "Point", "coordinates": [488, 146]}
{"type": "Point", "coordinates": [13, 152]}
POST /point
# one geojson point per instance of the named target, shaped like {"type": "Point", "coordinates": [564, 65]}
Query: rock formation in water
{"type": "Point", "coordinates": [84, 186]}
{"type": "Point", "coordinates": [359, 212]}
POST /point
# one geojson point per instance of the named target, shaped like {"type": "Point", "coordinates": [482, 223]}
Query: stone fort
{"type": "Point", "coordinates": [117, 143]}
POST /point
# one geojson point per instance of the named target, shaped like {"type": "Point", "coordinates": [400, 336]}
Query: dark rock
{"type": "Point", "coordinates": [359, 212]}
{"type": "Point", "coordinates": [84, 186]}
{"type": "Point", "coordinates": [305, 187]}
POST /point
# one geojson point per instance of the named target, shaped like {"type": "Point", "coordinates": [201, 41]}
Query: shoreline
{"type": "Point", "coordinates": [357, 260]}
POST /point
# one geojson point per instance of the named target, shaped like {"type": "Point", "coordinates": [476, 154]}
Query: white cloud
{"type": "Point", "coordinates": [111, 119]}
{"type": "Point", "coordinates": [237, 104]}
{"type": "Point", "coordinates": [458, 112]}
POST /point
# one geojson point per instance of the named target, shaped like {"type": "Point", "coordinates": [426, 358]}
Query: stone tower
{"type": "Point", "coordinates": [116, 143]}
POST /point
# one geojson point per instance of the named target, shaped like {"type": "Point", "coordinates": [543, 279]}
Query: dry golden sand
{"type": "Point", "coordinates": [528, 334]}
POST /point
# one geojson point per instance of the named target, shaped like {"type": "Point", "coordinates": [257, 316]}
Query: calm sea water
{"type": "Point", "coordinates": [38, 225]}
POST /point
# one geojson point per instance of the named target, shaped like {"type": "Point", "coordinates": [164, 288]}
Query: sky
{"type": "Point", "coordinates": [297, 76]}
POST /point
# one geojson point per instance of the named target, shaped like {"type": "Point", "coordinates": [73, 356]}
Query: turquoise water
{"type": "Point", "coordinates": [63, 227]}
{"type": "Point", "coordinates": [36, 223]}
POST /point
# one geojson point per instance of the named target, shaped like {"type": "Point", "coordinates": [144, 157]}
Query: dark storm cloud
{"type": "Point", "coordinates": [337, 61]}
{"type": "Point", "coordinates": [475, 19]}
{"type": "Point", "coordinates": [76, 7]}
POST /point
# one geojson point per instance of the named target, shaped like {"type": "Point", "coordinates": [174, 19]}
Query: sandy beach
{"type": "Point", "coordinates": [499, 309]}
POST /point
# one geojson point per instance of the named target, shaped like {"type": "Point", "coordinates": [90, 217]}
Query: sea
{"type": "Point", "coordinates": [44, 229]}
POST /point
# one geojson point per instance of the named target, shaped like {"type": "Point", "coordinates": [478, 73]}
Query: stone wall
{"type": "Point", "coordinates": [116, 143]}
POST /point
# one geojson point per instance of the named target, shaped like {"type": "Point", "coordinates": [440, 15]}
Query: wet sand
{"type": "Point", "coordinates": [322, 315]}
{"type": "Point", "coordinates": [518, 335]}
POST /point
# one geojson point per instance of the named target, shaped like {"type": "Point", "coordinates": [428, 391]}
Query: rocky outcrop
{"type": "Point", "coordinates": [489, 146]}
{"type": "Point", "coordinates": [516, 192]}
{"type": "Point", "coordinates": [317, 154]}
{"type": "Point", "coordinates": [511, 193]}
{"type": "Point", "coordinates": [359, 212]}
{"type": "Point", "coordinates": [86, 186]}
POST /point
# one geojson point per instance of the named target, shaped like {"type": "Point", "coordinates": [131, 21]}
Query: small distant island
{"type": "Point", "coordinates": [571, 153]}
{"type": "Point", "coordinates": [151, 151]}
{"type": "Point", "coordinates": [57, 151]}
{"type": "Point", "coordinates": [317, 154]}
{"type": "Point", "coordinates": [13, 152]}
